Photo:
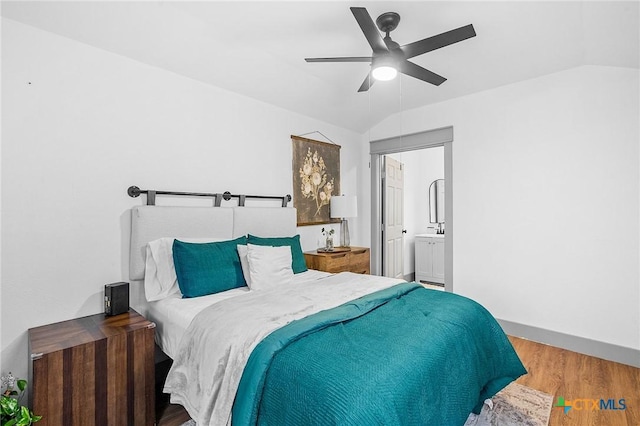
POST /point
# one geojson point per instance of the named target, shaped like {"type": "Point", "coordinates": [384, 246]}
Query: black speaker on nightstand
{"type": "Point", "coordinates": [116, 298]}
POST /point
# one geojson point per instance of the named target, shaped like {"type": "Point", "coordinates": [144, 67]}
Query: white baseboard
{"type": "Point", "coordinates": [582, 345]}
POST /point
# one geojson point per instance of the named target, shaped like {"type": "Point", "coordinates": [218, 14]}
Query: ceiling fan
{"type": "Point", "coordinates": [389, 57]}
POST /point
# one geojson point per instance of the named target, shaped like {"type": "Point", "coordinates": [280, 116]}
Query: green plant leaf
{"type": "Point", "coordinates": [24, 418]}
{"type": "Point", "coordinates": [22, 384]}
{"type": "Point", "coordinates": [9, 406]}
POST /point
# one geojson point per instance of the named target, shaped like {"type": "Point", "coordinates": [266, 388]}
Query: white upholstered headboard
{"type": "Point", "coordinates": [149, 223]}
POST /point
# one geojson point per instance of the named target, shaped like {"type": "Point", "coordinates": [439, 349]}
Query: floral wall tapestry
{"type": "Point", "coordinates": [316, 178]}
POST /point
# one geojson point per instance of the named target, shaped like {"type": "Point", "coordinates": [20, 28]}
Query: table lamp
{"type": "Point", "coordinates": [342, 207]}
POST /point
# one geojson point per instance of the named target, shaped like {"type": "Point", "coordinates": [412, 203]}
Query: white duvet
{"type": "Point", "coordinates": [210, 359]}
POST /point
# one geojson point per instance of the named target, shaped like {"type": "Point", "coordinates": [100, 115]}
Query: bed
{"type": "Point", "coordinates": [298, 346]}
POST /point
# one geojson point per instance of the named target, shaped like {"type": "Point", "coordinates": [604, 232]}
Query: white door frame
{"type": "Point", "coordinates": [411, 142]}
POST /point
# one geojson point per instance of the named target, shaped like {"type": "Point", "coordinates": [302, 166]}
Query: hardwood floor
{"type": "Point", "coordinates": [172, 415]}
{"type": "Point", "coordinates": [575, 376]}
{"type": "Point", "coordinates": [552, 370]}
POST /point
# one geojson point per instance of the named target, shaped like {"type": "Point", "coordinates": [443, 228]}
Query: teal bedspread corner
{"type": "Point", "coordinates": [418, 357]}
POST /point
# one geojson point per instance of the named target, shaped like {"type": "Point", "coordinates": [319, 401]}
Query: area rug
{"type": "Point", "coordinates": [515, 405]}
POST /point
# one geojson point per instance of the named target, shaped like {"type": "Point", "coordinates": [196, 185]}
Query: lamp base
{"type": "Point", "coordinates": [345, 240]}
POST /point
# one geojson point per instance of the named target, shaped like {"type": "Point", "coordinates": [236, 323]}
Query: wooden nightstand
{"type": "Point", "coordinates": [356, 260]}
{"type": "Point", "coordinates": [95, 370]}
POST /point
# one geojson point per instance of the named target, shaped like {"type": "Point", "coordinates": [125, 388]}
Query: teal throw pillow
{"type": "Point", "coordinates": [208, 268]}
{"type": "Point", "coordinates": [298, 263]}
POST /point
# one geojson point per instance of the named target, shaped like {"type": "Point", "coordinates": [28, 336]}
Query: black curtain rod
{"type": "Point", "coordinates": [134, 192]}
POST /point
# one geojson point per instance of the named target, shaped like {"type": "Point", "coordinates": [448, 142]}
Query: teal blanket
{"type": "Point", "coordinates": [401, 356]}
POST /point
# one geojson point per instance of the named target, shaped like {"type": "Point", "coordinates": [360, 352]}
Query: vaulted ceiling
{"type": "Point", "coordinates": [257, 49]}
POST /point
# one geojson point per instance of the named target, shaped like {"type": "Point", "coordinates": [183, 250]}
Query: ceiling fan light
{"type": "Point", "coordinates": [384, 73]}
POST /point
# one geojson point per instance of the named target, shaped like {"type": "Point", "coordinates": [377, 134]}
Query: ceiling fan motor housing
{"type": "Point", "coordinates": [388, 22]}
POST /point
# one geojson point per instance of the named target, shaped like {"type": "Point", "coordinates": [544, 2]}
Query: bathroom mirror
{"type": "Point", "coordinates": [436, 201]}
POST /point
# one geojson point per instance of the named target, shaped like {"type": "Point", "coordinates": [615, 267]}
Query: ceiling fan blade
{"type": "Point", "coordinates": [369, 29]}
{"type": "Point", "coordinates": [436, 42]}
{"type": "Point", "coordinates": [416, 71]}
{"type": "Point", "coordinates": [367, 83]}
{"type": "Point", "coordinates": [343, 59]}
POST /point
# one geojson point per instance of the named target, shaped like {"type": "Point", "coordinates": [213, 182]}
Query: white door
{"type": "Point", "coordinates": [393, 218]}
{"type": "Point", "coordinates": [438, 260]}
{"type": "Point", "coordinates": [424, 261]}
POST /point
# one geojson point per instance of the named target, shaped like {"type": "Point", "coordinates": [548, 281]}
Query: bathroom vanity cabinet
{"type": "Point", "coordinates": [429, 249]}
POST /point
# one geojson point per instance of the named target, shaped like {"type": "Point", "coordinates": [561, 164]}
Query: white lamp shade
{"type": "Point", "coordinates": [344, 206]}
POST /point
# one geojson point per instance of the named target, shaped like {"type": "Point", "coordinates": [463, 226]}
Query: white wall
{"type": "Point", "coordinates": [1, 22]}
{"type": "Point", "coordinates": [80, 125]}
{"type": "Point", "coordinates": [421, 167]}
{"type": "Point", "coordinates": [546, 200]}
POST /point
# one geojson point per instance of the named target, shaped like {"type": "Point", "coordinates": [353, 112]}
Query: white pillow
{"type": "Point", "coordinates": [244, 263]}
{"type": "Point", "coordinates": [160, 280]}
{"type": "Point", "coordinates": [269, 266]}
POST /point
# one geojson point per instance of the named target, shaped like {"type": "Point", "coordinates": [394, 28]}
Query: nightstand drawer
{"type": "Point", "coordinates": [336, 262]}
{"type": "Point", "coordinates": [359, 261]}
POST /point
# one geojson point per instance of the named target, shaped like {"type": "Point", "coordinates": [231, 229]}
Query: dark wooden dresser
{"type": "Point", "coordinates": [95, 370]}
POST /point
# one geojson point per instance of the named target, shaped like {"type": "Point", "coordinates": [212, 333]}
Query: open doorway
{"type": "Point", "coordinates": [413, 245]}
{"type": "Point", "coordinates": [442, 137]}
